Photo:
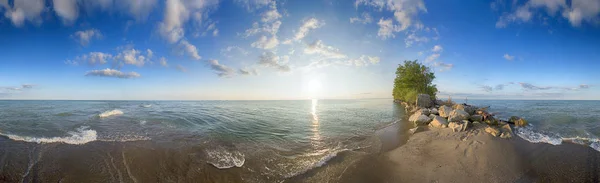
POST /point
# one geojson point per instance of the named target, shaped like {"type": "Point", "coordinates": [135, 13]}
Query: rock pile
{"type": "Point", "coordinates": [459, 117]}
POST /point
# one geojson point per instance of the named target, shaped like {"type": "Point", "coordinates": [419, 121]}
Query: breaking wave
{"type": "Point", "coordinates": [223, 159]}
{"type": "Point", "coordinates": [110, 113]}
{"type": "Point", "coordinates": [320, 163]}
{"type": "Point", "coordinates": [81, 136]}
{"type": "Point", "coordinates": [528, 134]}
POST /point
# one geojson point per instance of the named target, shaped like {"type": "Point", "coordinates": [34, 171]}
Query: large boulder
{"type": "Point", "coordinates": [425, 112]}
{"type": "Point", "coordinates": [476, 117]}
{"type": "Point", "coordinates": [518, 121]}
{"type": "Point", "coordinates": [492, 131]}
{"type": "Point", "coordinates": [467, 108]}
{"type": "Point", "coordinates": [424, 101]}
{"type": "Point", "coordinates": [445, 111]}
{"type": "Point", "coordinates": [458, 115]}
{"type": "Point", "coordinates": [459, 126]}
{"type": "Point", "coordinates": [420, 119]}
{"type": "Point", "coordinates": [506, 131]}
{"type": "Point", "coordinates": [439, 122]}
{"type": "Point", "coordinates": [433, 111]}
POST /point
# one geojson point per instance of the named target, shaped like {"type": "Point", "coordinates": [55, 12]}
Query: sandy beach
{"type": "Point", "coordinates": [441, 155]}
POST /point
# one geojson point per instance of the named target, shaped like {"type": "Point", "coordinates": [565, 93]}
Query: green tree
{"type": "Point", "coordinates": [413, 78]}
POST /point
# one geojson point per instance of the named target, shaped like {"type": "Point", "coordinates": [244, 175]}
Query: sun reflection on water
{"type": "Point", "coordinates": [316, 138]}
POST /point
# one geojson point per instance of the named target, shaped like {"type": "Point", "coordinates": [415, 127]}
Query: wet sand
{"type": "Point", "coordinates": [440, 155]}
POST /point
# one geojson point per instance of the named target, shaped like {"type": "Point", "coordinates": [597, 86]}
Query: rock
{"type": "Point", "coordinates": [458, 115]}
{"type": "Point", "coordinates": [491, 121]}
{"type": "Point", "coordinates": [424, 101]}
{"type": "Point", "coordinates": [416, 129]}
{"type": "Point", "coordinates": [419, 119]}
{"type": "Point", "coordinates": [458, 106]}
{"type": "Point", "coordinates": [432, 116]}
{"type": "Point", "coordinates": [466, 125]}
{"type": "Point", "coordinates": [506, 128]}
{"type": "Point", "coordinates": [439, 102]}
{"type": "Point", "coordinates": [445, 111]}
{"type": "Point", "coordinates": [434, 111]}
{"type": "Point", "coordinates": [425, 112]}
{"type": "Point", "coordinates": [492, 131]}
{"type": "Point", "coordinates": [476, 118]}
{"type": "Point", "coordinates": [518, 121]}
{"type": "Point", "coordinates": [505, 135]}
{"type": "Point", "coordinates": [439, 122]}
{"type": "Point", "coordinates": [414, 110]}
{"type": "Point", "coordinates": [454, 126]}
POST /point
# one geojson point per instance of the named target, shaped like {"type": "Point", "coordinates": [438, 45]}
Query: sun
{"type": "Point", "coordinates": [314, 86]}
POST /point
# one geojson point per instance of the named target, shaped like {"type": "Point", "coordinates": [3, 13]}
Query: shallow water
{"type": "Point", "coordinates": [252, 141]}
{"type": "Point", "coordinates": [552, 121]}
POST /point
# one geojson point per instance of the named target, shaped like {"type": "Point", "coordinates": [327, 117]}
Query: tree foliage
{"type": "Point", "coordinates": [413, 78]}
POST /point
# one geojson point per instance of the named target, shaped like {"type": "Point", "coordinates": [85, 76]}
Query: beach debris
{"type": "Point", "coordinates": [424, 101]}
{"type": "Point", "coordinates": [492, 131]}
{"type": "Point", "coordinates": [445, 111]}
{"type": "Point", "coordinates": [439, 122]}
{"type": "Point", "coordinates": [458, 115]}
{"type": "Point", "coordinates": [518, 121]}
{"type": "Point", "coordinates": [476, 117]}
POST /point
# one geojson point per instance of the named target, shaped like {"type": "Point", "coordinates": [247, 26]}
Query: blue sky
{"type": "Point", "coordinates": [266, 49]}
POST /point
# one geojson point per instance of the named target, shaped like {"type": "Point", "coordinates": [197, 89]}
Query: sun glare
{"type": "Point", "coordinates": [314, 86]}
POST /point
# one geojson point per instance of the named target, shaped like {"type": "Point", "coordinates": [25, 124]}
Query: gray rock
{"type": "Point", "coordinates": [424, 101]}
{"type": "Point", "coordinates": [425, 112]}
{"type": "Point", "coordinates": [434, 111]}
{"type": "Point", "coordinates": [445, 111]}
{"type": "Point", "coordinates": [476, 117]}
{"type": "Point", "coordinates": [439, 122]}
{"type": "Point", "coordinates": [469, 109]}
{"type": "Point", "coordinates": [419, 119]}
{"type": "Point", "coordinates": [416, 129]}
{"type": "Point", "coordinates": [458, 115]}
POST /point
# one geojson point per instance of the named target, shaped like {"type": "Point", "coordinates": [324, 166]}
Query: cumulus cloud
{"type": "Point", "coordinates": [576, 12]}
{"type": "Point", "coordinates": [21, 10]}
{"type": "Point", "coordinates": [95, 58]}
{"type": "Point", "coordinates": [112, 73]}
{"type": "Point", "coordinates": [220, 69]}
{"type": "Point", "coordinates": [323, 50]}
{"type": "Point", "coordinates": [405, 12]}
{"type": "Point", "coordinates": [163, 62]}
{"type": "Point", "coordinates": [67, 10]}
{"type": "Point", "coordinates": [437, 48]}
{"type": "Point", "coordinates": [247, 71]}
{"type": "Point", "coordinates": [270, 28]}
{"type": "Point", "coordinates": [85, 36]}
{"type": "Point", "coordinates": [364, 19]}
{"type": "Point", "coordinates": [228, 51]}
{"type": "Point", "coordinates": [412, 38]}
{"type": "Point", "coordinates": [508, 57]}
{"type": "Point", "coordinates": [432, 57]}
{"type": "Point", "coordinates": [269, 59]}
{"type": "Point", "coordinates": [177, 13]}
{"type": "Point", "coordinates": [189, 49]}
{"type": "Point", "coordinates": [139, 9]}
{"type": "Point", "coordinates": [266, 43]}
{"type": "Point", "coordinates": [252, 5]}
{"type": "Point", "coordinates": [364, 60]}
{"type": "Point", "coordinates": [272, 14]}
{"type": "Point", "coordinates": [305, 28]}
{"type": "Point", "coordinates": [132, 57]}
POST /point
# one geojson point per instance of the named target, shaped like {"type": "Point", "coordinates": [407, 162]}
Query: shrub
{"type": "Point", "coordinates": [413, 78]}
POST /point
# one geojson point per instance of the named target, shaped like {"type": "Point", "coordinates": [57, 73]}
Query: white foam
{"type": "Point", "coordinates": [319, 163]}
{"type": "Point", "coordinates": [528, 134]}
{"type": "Point", "coordinates": [595, 145]}
{"type": "Point", "coordinates": [223, 159]}
{"type": "Point", "coordinates": [146, 105]}
{"type": "Point", "coordinates": [81, 136]}
{"type": "Point", "coordinates": [110, 113]}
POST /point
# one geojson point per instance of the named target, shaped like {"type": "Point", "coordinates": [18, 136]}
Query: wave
{"type": "Point", "coordinates": [320, 163]}
{"type": "Point", "coordinates": [81, 136]}
{"type": "Point", "coordinates": [223, 159]}
{"type": "Point", "coordinates": [146, 105]}
{"type": "Point", "coordinates": [110, 113]}
{"type": "Point", "coordinates": [530, 135]}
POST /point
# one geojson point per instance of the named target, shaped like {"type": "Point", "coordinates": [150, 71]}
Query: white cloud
{"type": "Point", "coordinates": [22, 10]}
{"type": "Point", "coordinates": [85, 36]}
{"type": "Point", "coordinates": [189, 49]}
{"type": "Point", "coordinates": [364, 60]}
{"type": "Point", "coordinates": [508, 57]}
{"type": "Point", "coordinates": [432, 57]}
{"type": "Point", "coordinates": [67, 10]}
{"type": "Point", "coordinates": [272, 14]}
{"type": "Point", "coordinates": [582, 10]}
{"type": "Point", "coordinates": [414, 38]}
{"type": "Point", "coordinates": [437, 48]}
{"type": "Point", "coordinates": [247, 71]}
{"type": "Point", "coordinates": [131, 57]}
{"type": "Point", "coordinates": [405, 12]}
{"type": "Point", "coordinates": [112, 73]}
{"type": "Point", "coordinates": [252, 5]}
{"type": "Point", "coordinates": [139, 9]}
{"type": "Point", "coordinates": [364, 19]}
{"type": "Point", "coordinates": [266, 43]}
{"type": "Point", "coordinates": [269, 59]}
{"type": "Point", "coordinates": [180, 68]}
{"type": "Point", "coordinates": [163, 62]}
{"type": "Point", "coordinates": [443, 66]}
{"type": "Point", "coordinates": [576, 12]}
{"type": "Point", "coordinates": [177, 13]}
{"type": "Point", "coordinates": [227, 51]}
{"type": "Point", "coordinates": [305, 28]}
{"type": "Point", "coordinates": [149, 53]}
{"type": "Point", "coordinates": [221, 70]}
{"type": "Point", "coordinates": [323, 50]}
